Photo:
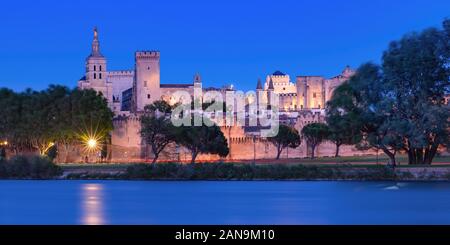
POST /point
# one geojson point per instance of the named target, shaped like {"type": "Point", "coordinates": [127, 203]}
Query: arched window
{"type": "Point", "coordinates": [100, 75]}
{"type": "Point", "coordinates": [95, 68]}
{"type": "Point", "coordinates": [95, 75]}
{"type": "Point", "coordinates": [100, 68]}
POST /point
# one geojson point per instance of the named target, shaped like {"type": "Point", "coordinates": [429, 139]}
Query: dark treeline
{"type": "Point", "coordinates": [40, 121]}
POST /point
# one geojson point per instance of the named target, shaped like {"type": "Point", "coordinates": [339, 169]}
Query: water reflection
{"type": "Point", "coordinates": [92, 204]}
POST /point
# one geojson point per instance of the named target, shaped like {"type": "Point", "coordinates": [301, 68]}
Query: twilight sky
{"type": "Point", "coordinates": [227, 42]}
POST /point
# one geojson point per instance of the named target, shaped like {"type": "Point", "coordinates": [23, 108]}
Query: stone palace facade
{"type": "Point", "coordinates": [301, 101]}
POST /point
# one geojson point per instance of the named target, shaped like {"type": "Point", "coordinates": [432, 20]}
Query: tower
{"type": "Point", "coordinates": [197, 81]}
{"type": "Point", "coordinates": [96, 72]}
{"type": "Point", "coordinates": [146, 85]}
{"type": "Point", "coordinates": [270, 93]}
{"type": "Point", "coordinates": [259, 92]}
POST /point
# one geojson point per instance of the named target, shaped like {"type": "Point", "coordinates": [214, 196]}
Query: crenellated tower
{"type": "Point", "coordinates": [146, 85]}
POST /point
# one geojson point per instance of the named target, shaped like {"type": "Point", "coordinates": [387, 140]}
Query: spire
{"type": "Point", "coordinates": [197, 78]}
{"type": "Point", "coordinates": [259, 85]}
{"type": "Point", "coordinates": [271, 84]}
{"type": "Point", "coordinates": [96, 45]}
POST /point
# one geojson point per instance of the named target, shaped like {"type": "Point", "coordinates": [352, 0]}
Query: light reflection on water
{"type": "Point", "coordinates": [223, 202]}
{"type": "Point", "coordinates": [92, 204]}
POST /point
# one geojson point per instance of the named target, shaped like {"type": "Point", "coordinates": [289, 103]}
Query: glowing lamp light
{"type": "Point", "coordinates": [92, 143]}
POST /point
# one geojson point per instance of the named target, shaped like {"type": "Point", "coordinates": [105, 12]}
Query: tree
{"type": "Point", "coordinates": [286, 137]}
{"type": "Point", "coordinates": [158, 131]}
{"type": "Point", "coordinates": [10, 104]}
{"type": "Point", "coordinates": [416, 72]}
{"type": "Point", "coordinates": [315, 134]}
{"type": "Point", "coordinates": [203, 139]}
{"type": "Point", "coordinates": [89, 117]}
{"type": "Point", "coordinates": [362, 104]}
{"type": "Point", "coordinates": [37, 120]}
{"type": "Point", "coordinates": [343, 124]}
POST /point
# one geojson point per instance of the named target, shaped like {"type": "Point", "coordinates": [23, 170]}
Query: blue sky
{"type": "Point", "coordinates": [227, 42]}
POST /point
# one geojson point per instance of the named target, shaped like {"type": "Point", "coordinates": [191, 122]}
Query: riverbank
{"type": "Point", "coordinates": [350, 168]}
{"type": "Point", "coordinates": [233, 171]}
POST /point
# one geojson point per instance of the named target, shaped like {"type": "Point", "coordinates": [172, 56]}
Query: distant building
{"type": "Point", "coordinates": [301, 101]}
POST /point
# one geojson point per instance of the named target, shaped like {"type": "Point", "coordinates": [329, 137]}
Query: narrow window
{"type": "Point", "coordinates": [95, 68]}
{"type": "Point", "coordinates": [100, 75]}
{"type": "Point", "coordinates": [100, 68]}
{"type": "Point", "coordinates": [95, 75]}
{"type": "Point", "coordinates": [148, 96]}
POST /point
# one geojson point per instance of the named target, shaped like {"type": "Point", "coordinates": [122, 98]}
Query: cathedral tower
{"type": "Point", "coordinates": [96, 72]}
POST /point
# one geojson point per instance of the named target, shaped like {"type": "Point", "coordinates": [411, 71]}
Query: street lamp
{"type": "Point", "coordinates": [92, 143]}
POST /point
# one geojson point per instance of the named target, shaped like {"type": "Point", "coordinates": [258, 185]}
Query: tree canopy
{"type": "Point", "coordinates": [286, 137]}
{"type": "Point", "coordinates": [38, 120]}
{"type": "Point", "coordinates": [158, 130]}
{"type": "Point", "coordinates": [315, 134]}
{"type": "Point", "coordinates": [400, 105]}
{"type": "Point", "coordinates": [203, 139]}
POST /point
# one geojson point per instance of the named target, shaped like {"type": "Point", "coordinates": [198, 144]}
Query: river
{"type": "Point", "coordinates": [223, 202]}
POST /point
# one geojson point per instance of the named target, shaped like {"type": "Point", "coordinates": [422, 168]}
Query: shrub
{"type": "Point", "coordinates": [34, 167]}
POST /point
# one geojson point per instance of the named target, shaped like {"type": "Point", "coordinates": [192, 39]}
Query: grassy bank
{"type": "Point", "coordinates": [32, 167]}
{"type": "Point", "coordinates": [42, 168]}
{"type": "Point", "coordinates": [228, 171]}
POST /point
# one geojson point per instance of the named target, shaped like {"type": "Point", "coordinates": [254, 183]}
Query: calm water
{"type": "Point", "coordinates": [216, 202]}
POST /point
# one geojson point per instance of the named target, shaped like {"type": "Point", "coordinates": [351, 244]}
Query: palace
{"type": "Point", "coordinates": [301, 101]}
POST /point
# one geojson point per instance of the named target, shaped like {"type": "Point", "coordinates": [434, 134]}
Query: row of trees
{"type": "Point", "coordinates": [158, 132]}
{"type": "Point", "coordinates": [313, 133]}
{"type": "Point", "coordinates": [398, 106]}
{"type": "Point", "coordinates": [41, 121]}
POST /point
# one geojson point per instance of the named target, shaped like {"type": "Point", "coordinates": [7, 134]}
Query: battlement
{"type": "Point", "coordinates": [147, 55]}
{"type": "Point", "coordinates": [306, 117]}
{"type": "Point", "coordinates": [121, 73]}
{"type": "Point", "coordinates": [287, 94]}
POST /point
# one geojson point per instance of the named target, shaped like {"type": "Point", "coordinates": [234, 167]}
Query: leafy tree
{"type": "Point", "coordinates": [416, 72]}
{"type": "Point", "coordinates": [286, 137]}
{"type": "Point", "coordinates": [160, 105]}
{"type": "Point", "coordinates": [343, 124]}
{"type": "Point", "coordinates": [203, 139]}
{"type": "Point", "coordinates": [89, 117]}
{"type": "Point", "coordinates": [315, 134]}
{"type": "Point", "coordinates": [35, 120]}
{"type": "Point", "coordinates": [10, 104]}
{"type": "Point", "coordinates": [363, 106]}
{"type": "Point", "coordinates": [157, 131]}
